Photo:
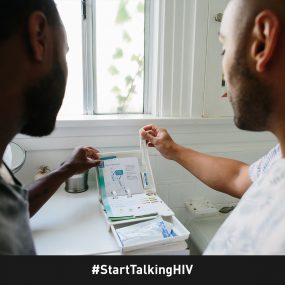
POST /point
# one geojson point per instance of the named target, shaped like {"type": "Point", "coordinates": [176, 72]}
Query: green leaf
{"type": "Point", "coordinates": [126, 37]}
{"type": "Point", "coordinates": [118, 53]}
{"type": "Point", "coordinates": [113, 70]}
{"type": "Point", "coordinates": [128, 80]}
{"type": "Point", "coordinates": [140, 73]}
{"type": "Point", "coordinates": [123, 15]}
{"type": "Point", "coordinates": [140, 7]}
{"type": "Point", "coordinates": [121, 109]}
{"type": "Point", "coordinates": [116, 90]}
{"type": "Point", "coordinates": [132, 89]}
{"type": "Point", "coordinates": [135, 58]}
{"type": "Point", "coordinates": [121, 99]}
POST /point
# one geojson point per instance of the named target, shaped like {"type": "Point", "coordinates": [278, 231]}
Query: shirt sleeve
{"type": "Point", "coordinates": [260, 166]}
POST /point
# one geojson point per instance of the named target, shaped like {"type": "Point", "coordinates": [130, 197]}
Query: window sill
{"type": "Point", "coordinates": [135, 120]}
{"type": "Point", "coordinates": [108, 133]}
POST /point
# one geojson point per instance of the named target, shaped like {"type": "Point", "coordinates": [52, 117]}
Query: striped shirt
{"type": "Point", "coordinates": [263, 164]}
{"type": "Point", "coordinates": [256, 226]}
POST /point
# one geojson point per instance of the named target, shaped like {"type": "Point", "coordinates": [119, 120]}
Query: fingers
{"type": "Point", "coordinates": [149, 133]}
{"type": "Point", "coordinates": [92, 156]}
{"type": "Point", "coordinates": [149, 137]}
{"type": "Point", "coordinates": [89, 153]}
{"type": "Point", "coordinates": [93, 162]}
{"type": "Point", "coordinates": [92, 149]}
{"type": "Point", "coordinates": [151, 127]}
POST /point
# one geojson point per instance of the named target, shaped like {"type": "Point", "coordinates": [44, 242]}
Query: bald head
{"type": "Point", "coordinates": [253, 38]}
{"type": "Point", "coordinates": [256, 6]}
{"type": "Point", "coordinates": [244, 12]}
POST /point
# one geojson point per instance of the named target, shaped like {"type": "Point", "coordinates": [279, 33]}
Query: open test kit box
{"type": "Point", "coordinates": [131, 202]}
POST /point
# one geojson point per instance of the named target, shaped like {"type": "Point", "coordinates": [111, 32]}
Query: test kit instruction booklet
{"type": "Point", "coordinates": [124, 189]}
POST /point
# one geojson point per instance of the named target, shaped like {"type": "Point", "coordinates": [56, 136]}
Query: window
{"type": "Point", "coordinates": [110, 65]}
{"type": "Point", "coordinates": [135, 56]}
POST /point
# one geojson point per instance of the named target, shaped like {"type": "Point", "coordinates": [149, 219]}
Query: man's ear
{"type": "Point", "coordinates": [37, 31]}
{"type": "Point", "coordinates": [265, 38]}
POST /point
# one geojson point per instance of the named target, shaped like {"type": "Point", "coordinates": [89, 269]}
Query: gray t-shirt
{"type": "Point", "coordinates": [15, 232]}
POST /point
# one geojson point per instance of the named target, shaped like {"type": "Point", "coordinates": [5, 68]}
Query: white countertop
{"type": "Point", "coordinates": [72, 224]}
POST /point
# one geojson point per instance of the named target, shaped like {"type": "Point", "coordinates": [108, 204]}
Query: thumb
{"type": "Point", "coordinates": [93, 162]}
{"type": "Point", "coordinates": [150, 138]}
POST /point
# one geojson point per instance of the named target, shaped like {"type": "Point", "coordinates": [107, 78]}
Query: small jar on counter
{"type": "Point", "coordinates": [77, 183]}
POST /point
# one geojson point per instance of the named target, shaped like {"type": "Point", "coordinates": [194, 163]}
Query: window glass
{"type": "Point", "coordinates": [119, 56]}
{"type": "Point", "coordinates": [70, 12]}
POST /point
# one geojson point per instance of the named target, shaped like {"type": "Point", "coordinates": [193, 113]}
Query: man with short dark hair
{"type": "Point", "coordinates": [253, 37]}
{"type": "Point", "coordinates": [33, 74]}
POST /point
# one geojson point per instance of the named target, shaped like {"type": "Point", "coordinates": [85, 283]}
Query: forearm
{"type": "Point", "coordinates": [222, 174]}
{"type": "Point", "coordinates": [42, 189]}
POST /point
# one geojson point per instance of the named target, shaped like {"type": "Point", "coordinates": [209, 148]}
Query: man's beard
{"type": "Point", "coordinates": [250, 97]}
{"type": "Point", "coordinates": [43, 101]}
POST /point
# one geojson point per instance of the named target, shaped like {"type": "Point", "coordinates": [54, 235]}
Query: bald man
{"type": "Point", "coordinates": [33, 74]}
{"type": "Point", "coordinates": [254, 67]}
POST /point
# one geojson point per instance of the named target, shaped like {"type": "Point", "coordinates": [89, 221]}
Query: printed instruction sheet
{"type": "Point", "coordinates": [122, 176]}
{"type": "Point", "coordinates": [122, 191]}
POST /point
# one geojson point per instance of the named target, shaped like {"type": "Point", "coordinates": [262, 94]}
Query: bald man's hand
{"type": "Point", "coordinates": [159, 138]}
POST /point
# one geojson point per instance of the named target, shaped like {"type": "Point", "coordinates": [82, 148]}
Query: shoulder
{"type": "Point", "coordinates": [12, 192]}
{"type": "Point", "coordinates": [259, 167]}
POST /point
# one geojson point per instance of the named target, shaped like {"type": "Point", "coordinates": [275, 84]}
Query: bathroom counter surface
{"type": "Point", "coordinates": [73, 224]}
